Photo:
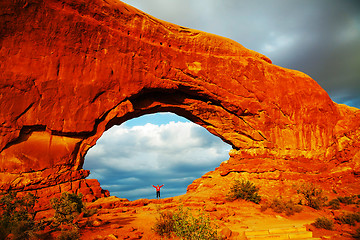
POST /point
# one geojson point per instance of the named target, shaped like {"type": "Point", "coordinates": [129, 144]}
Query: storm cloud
{"type": "Point", "coordinates": [320, 38]}
{"type": "Point", "coordinates": [127, 160]}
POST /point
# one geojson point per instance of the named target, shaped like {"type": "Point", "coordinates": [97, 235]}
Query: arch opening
{"type": "Point", "coordinates": [159, 148]}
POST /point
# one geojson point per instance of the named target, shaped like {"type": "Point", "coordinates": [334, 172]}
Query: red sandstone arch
{"type": "Point", "coordinates": [71, 69]}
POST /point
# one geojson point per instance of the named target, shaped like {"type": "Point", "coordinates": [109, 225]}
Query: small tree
{"type": "Point", "coordinates": [244, 189]}
{"type": "Point", "coordinates": [67, 207]}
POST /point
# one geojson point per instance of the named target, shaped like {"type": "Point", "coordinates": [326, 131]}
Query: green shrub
{"type": "Point", "coordinates": [244, 189]}
{"type": "Point", "coordinates": [67, 207]}
{"type": "Point", "coordinates": [17, 216]}
{"type": "Point", "coordinates": [280, 205]}
{"type": "Point", "coordinates": [349, 218]}
{"type": "Point", "coordinates": [313, 196]}
{"type": "Point", "coordinates": [324, 222]}
{"type": "Point", "coordinates": [185, 226]}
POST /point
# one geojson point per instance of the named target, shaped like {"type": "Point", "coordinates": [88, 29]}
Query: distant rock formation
{"type": "Point", "coordinates": [71, 69]}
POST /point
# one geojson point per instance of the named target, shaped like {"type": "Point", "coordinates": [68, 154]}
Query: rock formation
{"type": "Point", "coordinates": [71, 69]}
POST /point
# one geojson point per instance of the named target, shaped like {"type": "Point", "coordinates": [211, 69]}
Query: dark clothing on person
{"type": "Point", "coordinates": [158, 190]}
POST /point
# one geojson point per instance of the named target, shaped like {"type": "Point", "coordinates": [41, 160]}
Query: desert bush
{"type": "Point", "coordinates": [164, 225]}
{"type": "Point", "coordinates": [89, 212]}
{"type": "Point", "coordinates": [347, 200]}
{"type": "Point", "coordinates": [70, 234]}
{"type": "Point", "coordinates": [244, 189]}
{"type": "Point", "coordinates": [189, 227]}
{"type": "Point", "coordinates": [313, 196]}
{"type": "Point", "coordinates": [280, 205]}
{"type": "Point", "coordinates": [17, 216]}
{"type": "Point", "coordinates": [185, 226]}
{"type": "Point", "coordinates": [356, 235]}
{"type": "Point", "coordinates": [324, 222]}
{"type": "Point", "coordinates": [334, 204]}
{"type": "Point", "coordinates": [67, 207]}
{"type": "Point", "coordinates": [349, 218]}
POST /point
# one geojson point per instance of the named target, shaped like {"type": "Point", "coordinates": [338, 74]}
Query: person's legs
{"type": "Point", "coordinates": [157, 194]}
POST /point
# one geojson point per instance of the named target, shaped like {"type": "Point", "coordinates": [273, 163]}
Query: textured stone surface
{"type": "Point", "coordinates": [71, 69]}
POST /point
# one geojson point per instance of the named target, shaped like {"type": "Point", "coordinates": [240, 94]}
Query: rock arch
{"type": "Point", "coordinates": [71, 69]}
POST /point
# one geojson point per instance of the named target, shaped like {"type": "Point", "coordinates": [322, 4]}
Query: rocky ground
{"type": "Point", "coordinates": [120, 219]}
{"type": "Point", "coordinates": [117, 218]}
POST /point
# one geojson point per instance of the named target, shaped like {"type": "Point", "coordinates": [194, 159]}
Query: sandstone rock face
{"type": "Point", "coordinates": [71, 69]}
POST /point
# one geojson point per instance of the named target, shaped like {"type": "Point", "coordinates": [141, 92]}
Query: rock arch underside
{"type": "Point", "coordinates": [71, 69]}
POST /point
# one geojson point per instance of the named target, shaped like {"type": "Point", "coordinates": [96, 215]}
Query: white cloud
{"type": "Point", "coordinates": [131, 158]}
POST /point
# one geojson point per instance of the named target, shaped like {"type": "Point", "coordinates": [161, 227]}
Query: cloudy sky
{"type": "Point", "coordinates": [318, 37]}
{"type": "Point", "coordinates": [160, 148]}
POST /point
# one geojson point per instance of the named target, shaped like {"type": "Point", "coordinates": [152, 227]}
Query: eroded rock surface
{"type": "Point", "coordinates": [71, 69]}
